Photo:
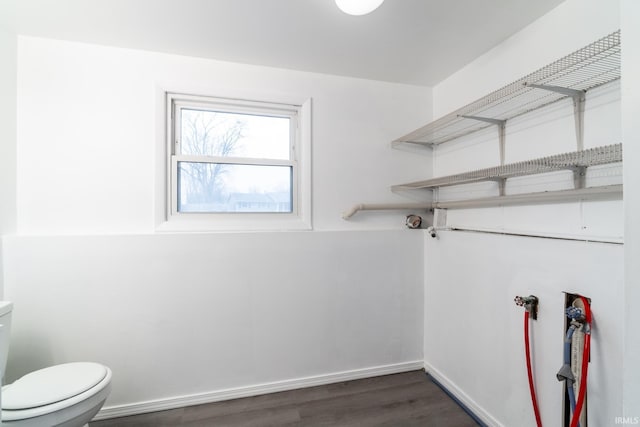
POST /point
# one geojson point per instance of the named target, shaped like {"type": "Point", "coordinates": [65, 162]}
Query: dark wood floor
{"type": "Point", "coordinates": [408, 399]}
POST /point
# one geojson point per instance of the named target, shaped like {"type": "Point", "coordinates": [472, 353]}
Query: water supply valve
{"type": "Point", "coordinates": [575, 314]}
{"type": "Point", "coordinates": [529, 303]}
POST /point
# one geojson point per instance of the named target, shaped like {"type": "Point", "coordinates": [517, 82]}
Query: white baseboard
{"type": "Point", "coordinates": [253, 390]}
{"type": "Point", "coordinates": [467, 401]}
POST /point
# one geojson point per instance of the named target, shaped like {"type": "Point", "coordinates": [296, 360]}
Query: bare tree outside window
{"type": "Point", "coordinates": [207, 133]}
{"type": "Point", "coordinates": [223, 166]}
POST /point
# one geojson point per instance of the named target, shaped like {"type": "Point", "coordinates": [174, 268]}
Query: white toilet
{"type": "Point", "coordinates": [67, 395]}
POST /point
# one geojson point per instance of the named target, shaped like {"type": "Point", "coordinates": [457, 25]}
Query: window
{"type": "Point", "coordinates": [237, 163]}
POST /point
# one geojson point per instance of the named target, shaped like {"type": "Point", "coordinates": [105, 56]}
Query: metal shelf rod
{"type": "Point", "coordinates": [608, 192]}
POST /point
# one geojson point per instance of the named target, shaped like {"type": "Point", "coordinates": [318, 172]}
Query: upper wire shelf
{"type": "Point", "coordinates": [585, 69]}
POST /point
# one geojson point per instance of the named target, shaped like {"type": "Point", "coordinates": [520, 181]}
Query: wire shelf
{"type": "Point", "coordinates": [566, 161]}
{"type": "Point", "coordinates": [585, 69]}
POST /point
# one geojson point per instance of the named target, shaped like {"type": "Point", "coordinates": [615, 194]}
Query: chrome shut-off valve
{"type": "Point", "coordinates": [529, 303]}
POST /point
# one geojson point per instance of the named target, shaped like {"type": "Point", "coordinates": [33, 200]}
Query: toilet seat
{"type": "Point", "coordinates": [52, 389]}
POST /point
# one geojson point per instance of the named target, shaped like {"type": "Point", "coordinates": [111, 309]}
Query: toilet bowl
{"type": "Point", "coordinates": [66, 395]}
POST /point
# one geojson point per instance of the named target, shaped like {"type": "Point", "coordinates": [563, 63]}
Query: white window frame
{"type": "Point", "coordinates": [300, 216]}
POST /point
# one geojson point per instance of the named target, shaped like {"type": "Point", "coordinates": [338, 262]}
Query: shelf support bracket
{"type": "Point", "coordinates": [579, 177]}
{"type": "Point", "coordinates": [502, 125]}
{"type": "Point", "coordinates": [579, 99]}
{"type": "Point", "coordinates": [399, 143]}
{"type": "Point", "coordinates": [502, 185]}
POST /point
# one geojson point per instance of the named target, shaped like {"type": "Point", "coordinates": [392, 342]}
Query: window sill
{"type": "Point", "coordinates": [233, 223]}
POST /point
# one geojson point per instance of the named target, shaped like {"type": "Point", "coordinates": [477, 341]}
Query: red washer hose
{"type": "Point", "coordinates": [527, 351]}
{"type": "Point", "coordinates": [585, 365]}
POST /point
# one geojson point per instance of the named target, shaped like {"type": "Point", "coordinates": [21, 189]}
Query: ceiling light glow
{"type": "Point", "coordinates": [358, 7]}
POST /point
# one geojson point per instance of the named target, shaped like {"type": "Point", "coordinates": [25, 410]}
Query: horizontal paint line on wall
{"type": "Point", "coordinates": [464, 399]}
{"type": "Point", "coordinates": [254, 390]}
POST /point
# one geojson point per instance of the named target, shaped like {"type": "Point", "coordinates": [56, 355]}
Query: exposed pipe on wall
{"type": "Point", "coordinates": [384, 206]}
{"type": "Point", "coordinates": [566, 372]}
{"type": "Point", "coordinates": [584, 369]}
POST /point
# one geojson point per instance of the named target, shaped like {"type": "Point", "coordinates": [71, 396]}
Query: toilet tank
{"type": "Point", "coordinates": [5, 331]}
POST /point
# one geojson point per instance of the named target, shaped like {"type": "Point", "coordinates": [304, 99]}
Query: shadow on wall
{"type": "Point", "coordinates": [28, 352]}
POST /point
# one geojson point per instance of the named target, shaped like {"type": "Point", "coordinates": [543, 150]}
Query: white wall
{"type": "Point", "coordinates": [183, 314]}
{"type": "Point", "coordinates": [474, 331]}
{"type": "Point", "coordinates": [177, 315]}
{"type": "Point", "coordinates": [8, 45]}
{"type": "Point", "coordinates": [89, 166]}
{"type": "Point", "coordinates": [542, 133]}
{"type": "Point", "coordinates": [630, 131]}
{"type": "Point", "coordinates": [476, 276]}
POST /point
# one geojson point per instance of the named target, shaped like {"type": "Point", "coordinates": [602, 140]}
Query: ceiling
{"type": "Point", "coordinates": [406, 41]}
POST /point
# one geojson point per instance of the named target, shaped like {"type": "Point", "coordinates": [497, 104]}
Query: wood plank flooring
{"type": "Point", "coordinates": [407, 399]}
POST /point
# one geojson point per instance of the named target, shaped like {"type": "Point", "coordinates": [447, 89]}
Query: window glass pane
{"type": "Point", "coordinates": [212, 133]}
{"type": "Point", "coordinates": [216, 187]}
